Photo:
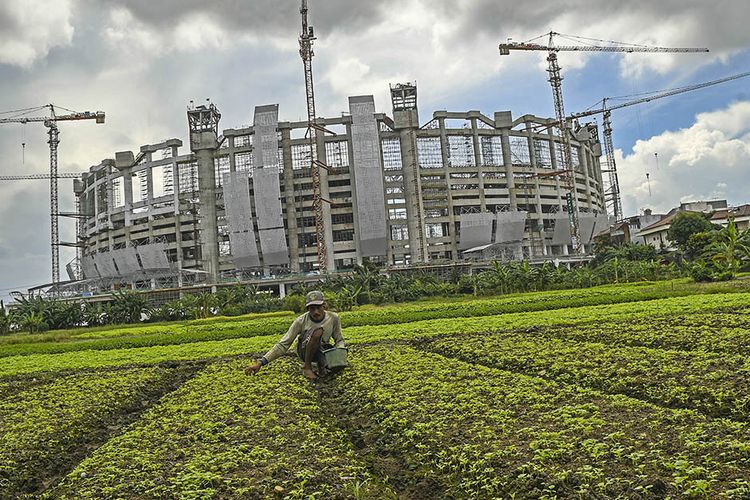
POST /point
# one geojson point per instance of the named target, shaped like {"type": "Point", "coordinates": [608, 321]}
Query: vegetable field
{"type": "Point", "coordinates": [634, 391]}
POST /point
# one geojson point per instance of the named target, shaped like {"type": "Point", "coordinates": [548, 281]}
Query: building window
{"type": "Point", "coordinates": [434, 230]}
{"type": "Point", "coordinates": [429, 152]}
{"type": "Point", "coordinates": [337, 154]}
{"type": "Point", "coordinates": [243, 162]}
{"type": "Point", "coordinates": [221, 167]}
{"type": "Point", "coordinates": [491, 150]}
{"type": "Point", "coordinates": [343, 235]}
{"type": "Point", "coordinates": [543, 154]}
{"type": "Point", "coordinates": [519, 150]}
{"type": "Point", "coordinates": [242, 141]}
{"type": "Point", "coordinates": [391, 154]}
{"type": "Point", "coordinates": [396, 213]}
{"type": "Point", "coordinates": [399, 232]}
{"type": "Point", "coordinates": [461, 151]}
{"type": "Point", "coordinates": [342, 218]}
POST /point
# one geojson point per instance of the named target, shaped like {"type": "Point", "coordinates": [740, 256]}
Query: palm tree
{"type": "Point", "coordinates": [33, 322]}
{"type": "Point", "coordinates": [731, 248]}
{"type": "Point", "coordinates": [128, 307]}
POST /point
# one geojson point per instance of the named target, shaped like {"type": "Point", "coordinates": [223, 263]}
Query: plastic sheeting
{"type": "Point", "coordinates": [153, 256]}
{"type": "Point", "coordinates": [71, 272]}
{"type": "Point", "coordinates": [105, 265]}
{"type": "Point", "coordinates": [273, 244]}
{"type": "Point", "coordinates": [239, 220]}
{"type": "Point", "coordinates": [561, 234]}
{"type": "Point", "coordinates": [368, 177]}
{"type": "Point", "coordinates": [127, 261]}
{"type": "Point", "coordinates": [267, 187]}
{"type": "Point", "coordinates": [510, 226]}
{"type": "Point", "coordinates": [266, 142]}
{"type": "Point", "coordinates": [586, 224]}
{"type": "Point", "coordinates": [476, 229]}
{"type": "Point", "coordinates": [87, 265]}
{"type": "Point", "coordinates": [603, 221]}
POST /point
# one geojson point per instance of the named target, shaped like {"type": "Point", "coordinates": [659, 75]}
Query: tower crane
{"type": "Point", "coordinates": [38, 177]}
{"type": "Point", "coordinates": [614, 186]}
{"type": "Point", "coordinates": [306, 39]}
{"type": "Point", "coordinates": [555, 80]}
{"type": "Point", "coordinates": [50, 122]}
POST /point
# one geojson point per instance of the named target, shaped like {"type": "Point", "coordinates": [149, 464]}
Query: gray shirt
{"type": "Point", "coordinates": [331, 326]}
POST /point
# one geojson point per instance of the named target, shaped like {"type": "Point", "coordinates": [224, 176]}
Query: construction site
{"type": "Point", "coordinates": [293, 200]}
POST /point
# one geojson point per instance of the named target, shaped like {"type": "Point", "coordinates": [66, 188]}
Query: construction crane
{"type": "Point", "coordinates": [54, 140]}
{"type": "Point", "coordinates": [555, 80]}
{"type": "Point", "coordinates": [38, 177]}
{"type": "Point", "coordinates": [613, 191]}
{"type": "Point", "coordinates": [306, 39]}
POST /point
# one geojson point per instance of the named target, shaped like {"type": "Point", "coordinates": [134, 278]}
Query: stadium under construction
{"type": "Point", "coordinates": [238, 206]}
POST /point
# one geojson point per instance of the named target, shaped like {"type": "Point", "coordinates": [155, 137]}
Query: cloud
{"type": "Point", "coordinates": [707, 160]}
{"type": "Point", "coordinates": [29, 30]}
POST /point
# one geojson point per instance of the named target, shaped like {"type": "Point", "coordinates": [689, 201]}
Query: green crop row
{"type": "Point", "coordinates": [44, 428]}
{"type": "Point", "coordinates": [715, 331]}
{"type": "Point", "coordinates": [465, 431]}
{"type": "Point", "coordinates": [665, 308]}
{"type": "Point", "coordinates": [277, 323]}
{"type": "Point", "coordinates": [224, 434]}
{"type": "Point", "coordinates": [718, 385]}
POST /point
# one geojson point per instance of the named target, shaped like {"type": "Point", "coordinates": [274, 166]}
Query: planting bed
{"type": "Point", "coordinates": [224, 434]}
{"type": "Point", "coordinates": [572, 394]}
{"type": "Point", "coordinates": [713, 384]}
{"type": "Point", "coordinates": [45, 427]}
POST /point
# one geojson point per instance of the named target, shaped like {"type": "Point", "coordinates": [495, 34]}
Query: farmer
{"type": "Point", "coordinates": [313, 331]}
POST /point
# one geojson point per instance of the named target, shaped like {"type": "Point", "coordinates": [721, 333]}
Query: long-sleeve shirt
{"type": "Point", "coordinates": [331, 326]}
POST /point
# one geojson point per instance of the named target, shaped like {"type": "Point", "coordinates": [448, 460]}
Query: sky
{"type": "Point", "coordinates": [143, 61]}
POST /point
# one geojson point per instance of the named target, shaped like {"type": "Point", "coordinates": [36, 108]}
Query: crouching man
{"type": "Point", "coordinates": [313, 331]}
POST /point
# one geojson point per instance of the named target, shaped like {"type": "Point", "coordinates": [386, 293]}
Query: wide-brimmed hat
{"type": "Point", "coordinates": [314, 298]}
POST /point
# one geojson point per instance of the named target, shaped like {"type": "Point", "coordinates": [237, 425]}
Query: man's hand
{"type": "Point", "coordinates": [254, 368]}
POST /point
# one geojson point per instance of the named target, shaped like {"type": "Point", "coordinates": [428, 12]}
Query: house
{"type": "Point", "coordinates": [740, 214]}
{"type": "Point", "coordinates": [656, 234]}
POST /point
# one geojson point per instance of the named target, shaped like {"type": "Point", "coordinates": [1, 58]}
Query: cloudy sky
{"type": "Point", "coordinates": [142, 61]}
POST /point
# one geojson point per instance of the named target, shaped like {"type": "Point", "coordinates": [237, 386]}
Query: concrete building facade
{"type": "Point", "coordinates": [396, 191]}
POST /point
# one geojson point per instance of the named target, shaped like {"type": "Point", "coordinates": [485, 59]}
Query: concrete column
{"type": "Point", "coordinates": [446, 172]}
{"type": "Point", "coordinates": [503, 121]}
{"type": "Point", "coordinates": [291, 207]}
{"type": "Point", "coordinates": [406, 123]}
{"type": "Point", "coordinates": [478, 162]}
{"type": "Point", "coordinates": [207, 196]}
{"type": "Point", "coordinates": [353, 189]}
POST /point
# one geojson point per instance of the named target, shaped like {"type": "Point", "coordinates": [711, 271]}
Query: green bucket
{"type": "Point", "coordinates": [336, 357]}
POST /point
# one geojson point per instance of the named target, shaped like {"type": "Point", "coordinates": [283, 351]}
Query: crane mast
{"type": "Point", "coordinates": [306, 53]}
{"type": "Point", "coordinates": [555, 79]}
{"type": "Point", "coordinates": [54, 140]}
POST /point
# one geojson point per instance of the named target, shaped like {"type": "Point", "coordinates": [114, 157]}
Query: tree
{"type": "Point", "coordinates": [730, 248]}
{"type": "Point", "coordinates": [698, 243]}
{"type": "Point", "coordinates": [127, 307]}
{"type": "Point", "coordinates": [33, 322]}
{"type": "Point", "coordinates": [4, 319]}
{"type": "Point", "coordinates": [686, 224]}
